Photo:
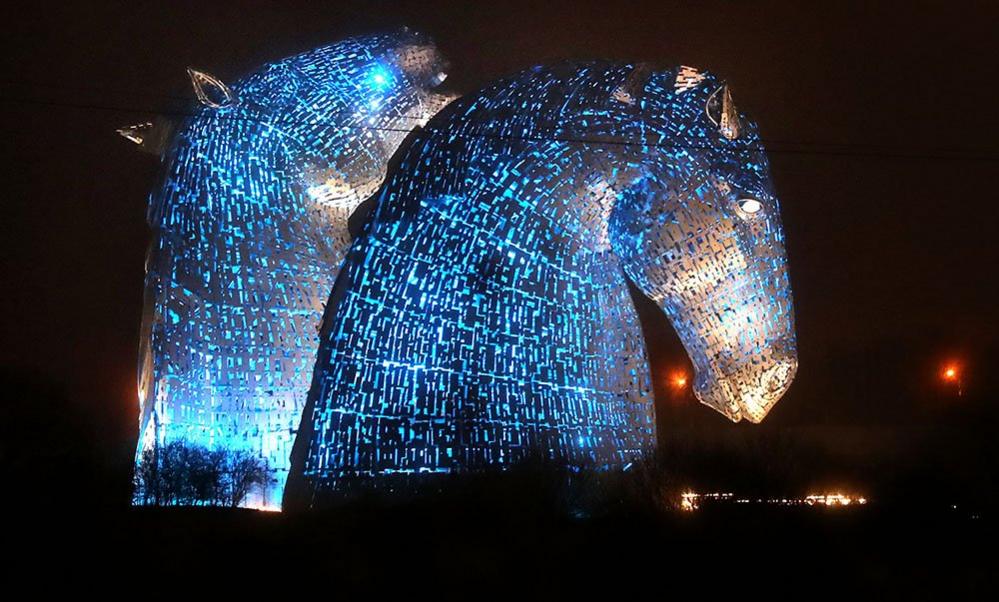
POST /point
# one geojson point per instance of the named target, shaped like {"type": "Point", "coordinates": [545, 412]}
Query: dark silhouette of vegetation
{"type": "Point", "coordinates": [179, 474]}
{"type": "Point", "coordinates": [933, 490]}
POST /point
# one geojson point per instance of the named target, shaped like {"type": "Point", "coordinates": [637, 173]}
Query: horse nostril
{"type": "Point", "coordinates": [777, 382]}
{"type": "Point", "coordinates": [782, 375]}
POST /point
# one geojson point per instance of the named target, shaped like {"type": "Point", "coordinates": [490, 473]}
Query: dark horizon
{"type": "Point", "coordinates": [882, 149]}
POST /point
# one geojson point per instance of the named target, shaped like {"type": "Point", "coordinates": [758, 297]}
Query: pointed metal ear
{"type": "Point", "coordinates": [210, 90]}
{"type": "Point", "coordinates": [151, 136]}
{"type": "Point", "coordinates": [722, 112]}
{"type": "Point", "coordinates": [135, 133]}
{"type": "Point", "coordinates": [729, 126]}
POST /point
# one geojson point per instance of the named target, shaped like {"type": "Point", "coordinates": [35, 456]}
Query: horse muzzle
{"type": "Point", "coordinates": [750, 389]}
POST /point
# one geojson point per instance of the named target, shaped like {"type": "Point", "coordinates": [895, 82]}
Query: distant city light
{"type": "Point", "coordinates": [833, 499]}
{"type": "Point", "coordinates": [690, 501]}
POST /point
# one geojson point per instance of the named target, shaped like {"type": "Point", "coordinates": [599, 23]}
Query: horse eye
{"type": "Point", "coordinates": [750, 206]}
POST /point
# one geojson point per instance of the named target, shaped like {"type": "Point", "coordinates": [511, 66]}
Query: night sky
{"type": "Point", "coordinates": [882, 126]}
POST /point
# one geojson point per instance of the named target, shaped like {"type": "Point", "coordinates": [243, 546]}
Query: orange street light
{"type": "Point", "coordinates": [678, 380]}
{"type": "Point", "coordinates": [952, 373]}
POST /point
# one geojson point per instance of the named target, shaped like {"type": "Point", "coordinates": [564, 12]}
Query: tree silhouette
{"type": "Point", "coordinates": [179, 474]}
{"type": "Point", "coordinates": [244, 471]}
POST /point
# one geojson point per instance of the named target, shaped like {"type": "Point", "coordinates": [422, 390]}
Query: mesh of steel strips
{"type": "Point", "coordinates": [484, 317]}
{"type": "Point", "coordinates": [250, 227]}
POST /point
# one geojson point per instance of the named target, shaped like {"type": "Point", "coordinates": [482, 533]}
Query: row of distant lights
{"type": "Point", "coordinates": [690, 501]}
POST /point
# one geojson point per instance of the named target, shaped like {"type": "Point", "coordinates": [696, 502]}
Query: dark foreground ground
{"type": "Point", "coordinates": [473, 548]}
{"type": "Point", "coordinates": [66, 524]}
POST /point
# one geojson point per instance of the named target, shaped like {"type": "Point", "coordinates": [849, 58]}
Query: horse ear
{"type": "Point", "coordinates": [210, 90]}
{"type": "Point", "coordinates": [151, 136]}
{"type": "Point", "coordinates": [722, 112]}
{"type": "Point", "coordinates": [729, 126]}
{"type": "Point", "coordinates": [135, 133]}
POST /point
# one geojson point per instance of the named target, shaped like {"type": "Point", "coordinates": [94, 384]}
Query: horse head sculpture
{"type": "Point", "coordinates": [484, 317]}
{"type": "Point", "coordinates": [698, 230]}
{"type": "Point", "coordinates": [250, 228]}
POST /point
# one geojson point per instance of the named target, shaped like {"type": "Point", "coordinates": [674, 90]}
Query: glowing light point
{"type": "Point", "coordinates": [951, 373]}
{"type": "Point", "coordinates": [381, 77]}
{"type": "Point", "coordinates": [678, 380]}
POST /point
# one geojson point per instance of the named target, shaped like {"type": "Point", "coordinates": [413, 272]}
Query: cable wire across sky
{"type": "Point", "coordinates": [843, 150]}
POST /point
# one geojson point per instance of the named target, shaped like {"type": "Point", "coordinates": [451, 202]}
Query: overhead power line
{"type": "Point", "coordinates": [783, 147]}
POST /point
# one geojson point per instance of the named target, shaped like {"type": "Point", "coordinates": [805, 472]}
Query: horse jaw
{"type": "Point", "coordinates": [733, 311]}
{"type": "Point", "coordinates": [722, 280]}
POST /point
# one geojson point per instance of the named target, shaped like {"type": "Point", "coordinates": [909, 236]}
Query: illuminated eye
{"type": "Point", "coordinates": [750, 206]}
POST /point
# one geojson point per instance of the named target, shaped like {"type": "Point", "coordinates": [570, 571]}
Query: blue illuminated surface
{"type": "Point", "coordinates": [484, 316]}
{"type": "Point", "coordinates": [250, 227]}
